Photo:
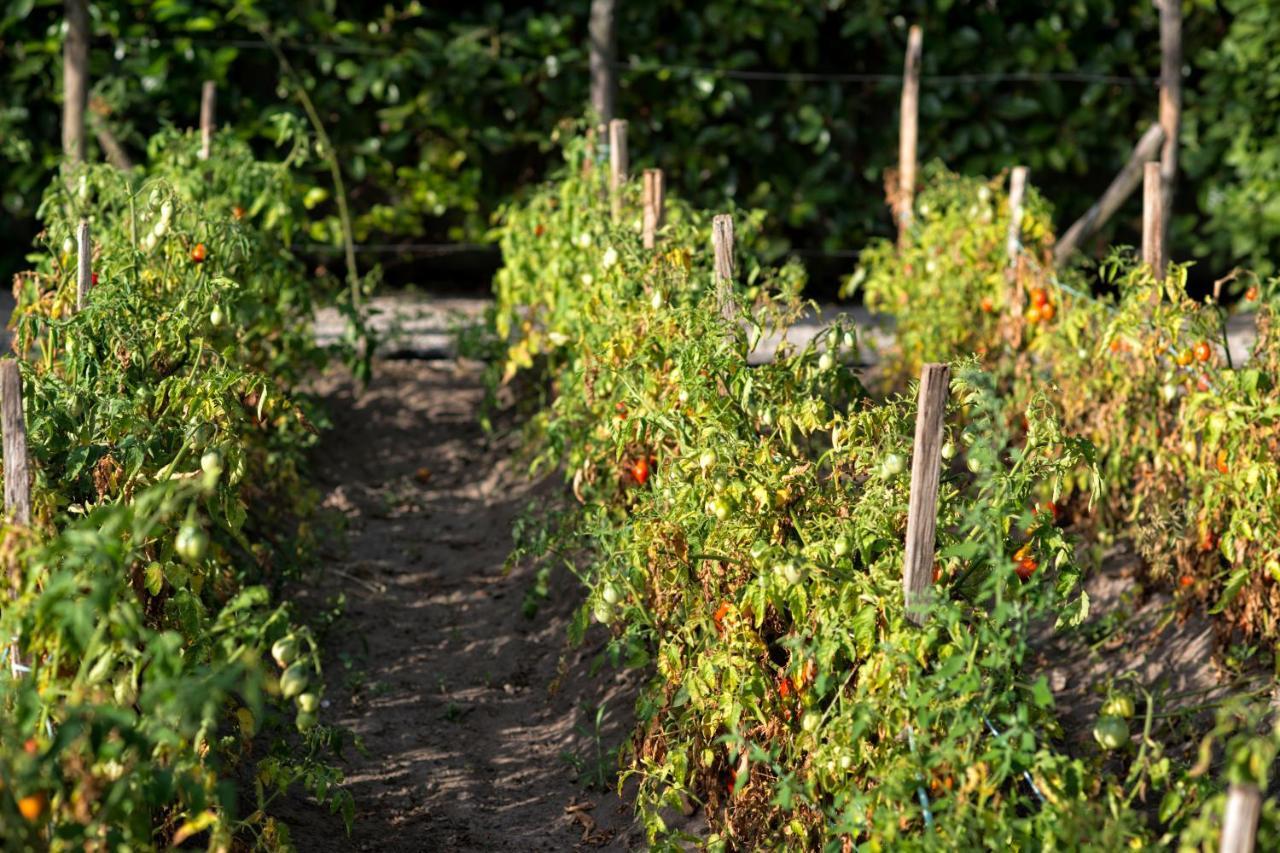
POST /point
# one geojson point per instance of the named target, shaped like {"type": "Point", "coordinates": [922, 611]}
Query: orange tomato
{"type": "Point", "coordinates": [199, 253]}
{"type": "Point", "coordinates": [1046, 312]}
{"type": "Point", "coordinates": [33, 805]}
{"type": "Point", "coordinates": [987, 305]}
{"type": "Point", "coordinates": [1203, 351]}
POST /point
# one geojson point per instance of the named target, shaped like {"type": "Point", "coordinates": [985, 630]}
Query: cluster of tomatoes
{"type": "Point", "coordinates": [1040, 309]}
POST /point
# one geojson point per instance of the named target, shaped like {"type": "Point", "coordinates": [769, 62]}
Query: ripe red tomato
{"type": "Point", "coordinates": [1186, 580]}
{"type": "Point", "coordinates": [621, 409]}
{"type": "Point", "coordinates": [1026, 568]}
{"type": "Point", "coordinates": [198, 253]}
{"type": "Point", "coordinates": [1203, 352]}
{"type": "Point", "coordinates": [1038, 297]}
{"type": "Point", "coordinates": [93, 279]}
{"type": "Point", "coordinates": [1202, 383]}
{"type": "Point", "coordinates": [1051, 508]}
{"type": "Point", "coordinates": [721, 612]}
{"type": "Point", "coordinates": [640, 470]}
{"type": "Point", "coordinates": [538, 230]}
{"type": "Point", "coordinates": [987, 305]}
{"type": "Point", "coordinates": [1251, 294]}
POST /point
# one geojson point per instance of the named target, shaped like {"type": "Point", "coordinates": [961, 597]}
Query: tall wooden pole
{"type": "Point", "coordinates": [722, 243]}
{"type": "Point", "coordinates": [1122, 185]}
{"type": "Point", "coordinates": [84, 264]}
{"type": "Point", "coordinates": [208, 102]}
{"type": "Point", "coordinates": [75, 79]}
{"type": "Point", "coordinates": [1170, 104]}
{"type": "Point", "coordinates": [907, 132]}
{"type": "Point", "coordinates": [17, 485]}
{"type": "Point", "coordinates": [926, 471]}
{"type": "Point", "coordinates": [654, 202]}
{"type": "Point", "coordinates": [1240, 819]}
{"type": "Point", "coordinates": [603, 47]}
{"type": "Point", "coordinates": [1153, 220]}
{"type": "Point", "coordinates": [618, 163]}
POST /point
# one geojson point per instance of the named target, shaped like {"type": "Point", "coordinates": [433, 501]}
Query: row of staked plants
{"type": "Point", "coordinates": [1187, 436]}
{"type": "Point", "coordinates": [151, 674]}
{"type": "Point", "coordinates": [738, 524]}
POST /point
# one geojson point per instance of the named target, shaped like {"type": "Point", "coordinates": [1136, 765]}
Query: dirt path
{"type": "Point", "coordinates": [433, 664]}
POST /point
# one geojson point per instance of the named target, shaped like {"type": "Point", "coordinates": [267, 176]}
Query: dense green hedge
{"type": "Point", "coordinates": [440, 111]}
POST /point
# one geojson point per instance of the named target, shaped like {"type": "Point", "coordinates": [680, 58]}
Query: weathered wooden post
{"type": "Point", "coordinates": [1017, 192]}
{"type": "Point", "coordinates": [208, 101]}
{"type": "Point", "coordinates": [75, 79]}
{"type": "Point", "coordinates": [722, 242]}
{"type": "Point", "coordinates": [1153, 251]}
{"type": "Point", "coordinates": [618, 164]}
{"type": "Point", "coordinates": [602, 44]}
{"type": "Point", "coordinates": [907, 132]}
{"type": "Point", "coordinates": [17, 485]}
{"type": "Point", "coordinates": [1240, 819]}
{"type": "Point", "coordinates": [84, 264]}
{"type": "Point", "coordinates": [926, 469]}
{"type": "Point", "coordinates": [1170, 104]}
{"type": "Point", "coordinates": [1124, 183]}
{"type": "Point", "coordinates": [654, 202]}
{"type": "Point", "coordinates": [1012, 327]}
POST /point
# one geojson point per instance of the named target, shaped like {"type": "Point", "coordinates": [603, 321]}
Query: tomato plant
{"type": "Point", "coordinates": [757, 576]}
{"type": "Point", "coordinates": [167, 446]}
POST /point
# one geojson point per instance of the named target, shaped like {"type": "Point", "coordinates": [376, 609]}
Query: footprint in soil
{"type": "Point", "coordinates": [433, 665]}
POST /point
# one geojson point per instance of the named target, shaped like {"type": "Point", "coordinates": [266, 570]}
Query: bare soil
{"type": "Point", "coordinates": [472, 715]}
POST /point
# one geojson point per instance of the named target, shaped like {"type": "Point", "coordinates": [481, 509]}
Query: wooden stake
{"type": "Point", "coordinates": [722, 242]}
{"type": "Point", "coordinates": [1170, 104]}
{"type": "Point", "coordinates": [602, 43]}
{"type": "Point", "coordinates": [617, 163]}
{"type": "Point", "coordinates": [907, 132]}
{"type": "Point", "coordinates": [1124, 183]}
{"type": "Point", "coordinates": [84, 264]}
{"type": "Point", "coordinates": [1153, 220]}
{"type": "Point", "coordinates": [922, 515]}
{"type": "Point", "coordinates": [1017, 191]}
{"type": "Point", "coordinates": [1240, 819]}
{"type": "Point", "coordinates": [208, 101]}
{"type": "Point", "coordinates": [17, 485]}
{"type": "Point", "coordinates": [655, 196]}
{"type": "Point", "coordinates": [75, 79]}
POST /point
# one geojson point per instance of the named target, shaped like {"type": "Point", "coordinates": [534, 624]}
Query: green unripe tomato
{"type": "Point", "coordinates": [973, 465]}
{"type": "Point", "coordinates": [809, 722]}
{"type": "Point", "coordinates": [215, 316]}
{"type": "Point", "coordinates": [842, 547]}
{"type": "Point", "coordinates": [1111, 732]}
{"type": "Point", "coordinates": [306, 721]}
{"type": "Point", "coordinates": [211, 463]}
{"type": "Point", "coordinates": [192, 542]}
{"type": "Point", "coordinates": [720, 507]}
{"type": "Point", "coordinates": [308, 703]}
{"type": "Point", "coordinates": [610, 594]}
{"type": "Point", "coordinates": [294, 680]}
{"type": "Point", "coordinates": [285, 650]}
{"type": "Point", "coordinates": [1119, 705]}
{"type": "Point", "coordinates": [603, 612]}
{"type": "Point", "coordinates": [826, 362]}
{"type": "Point", "coordinates": [892, 466]}
{"type": "Point", "coordinates": [949, 450]}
